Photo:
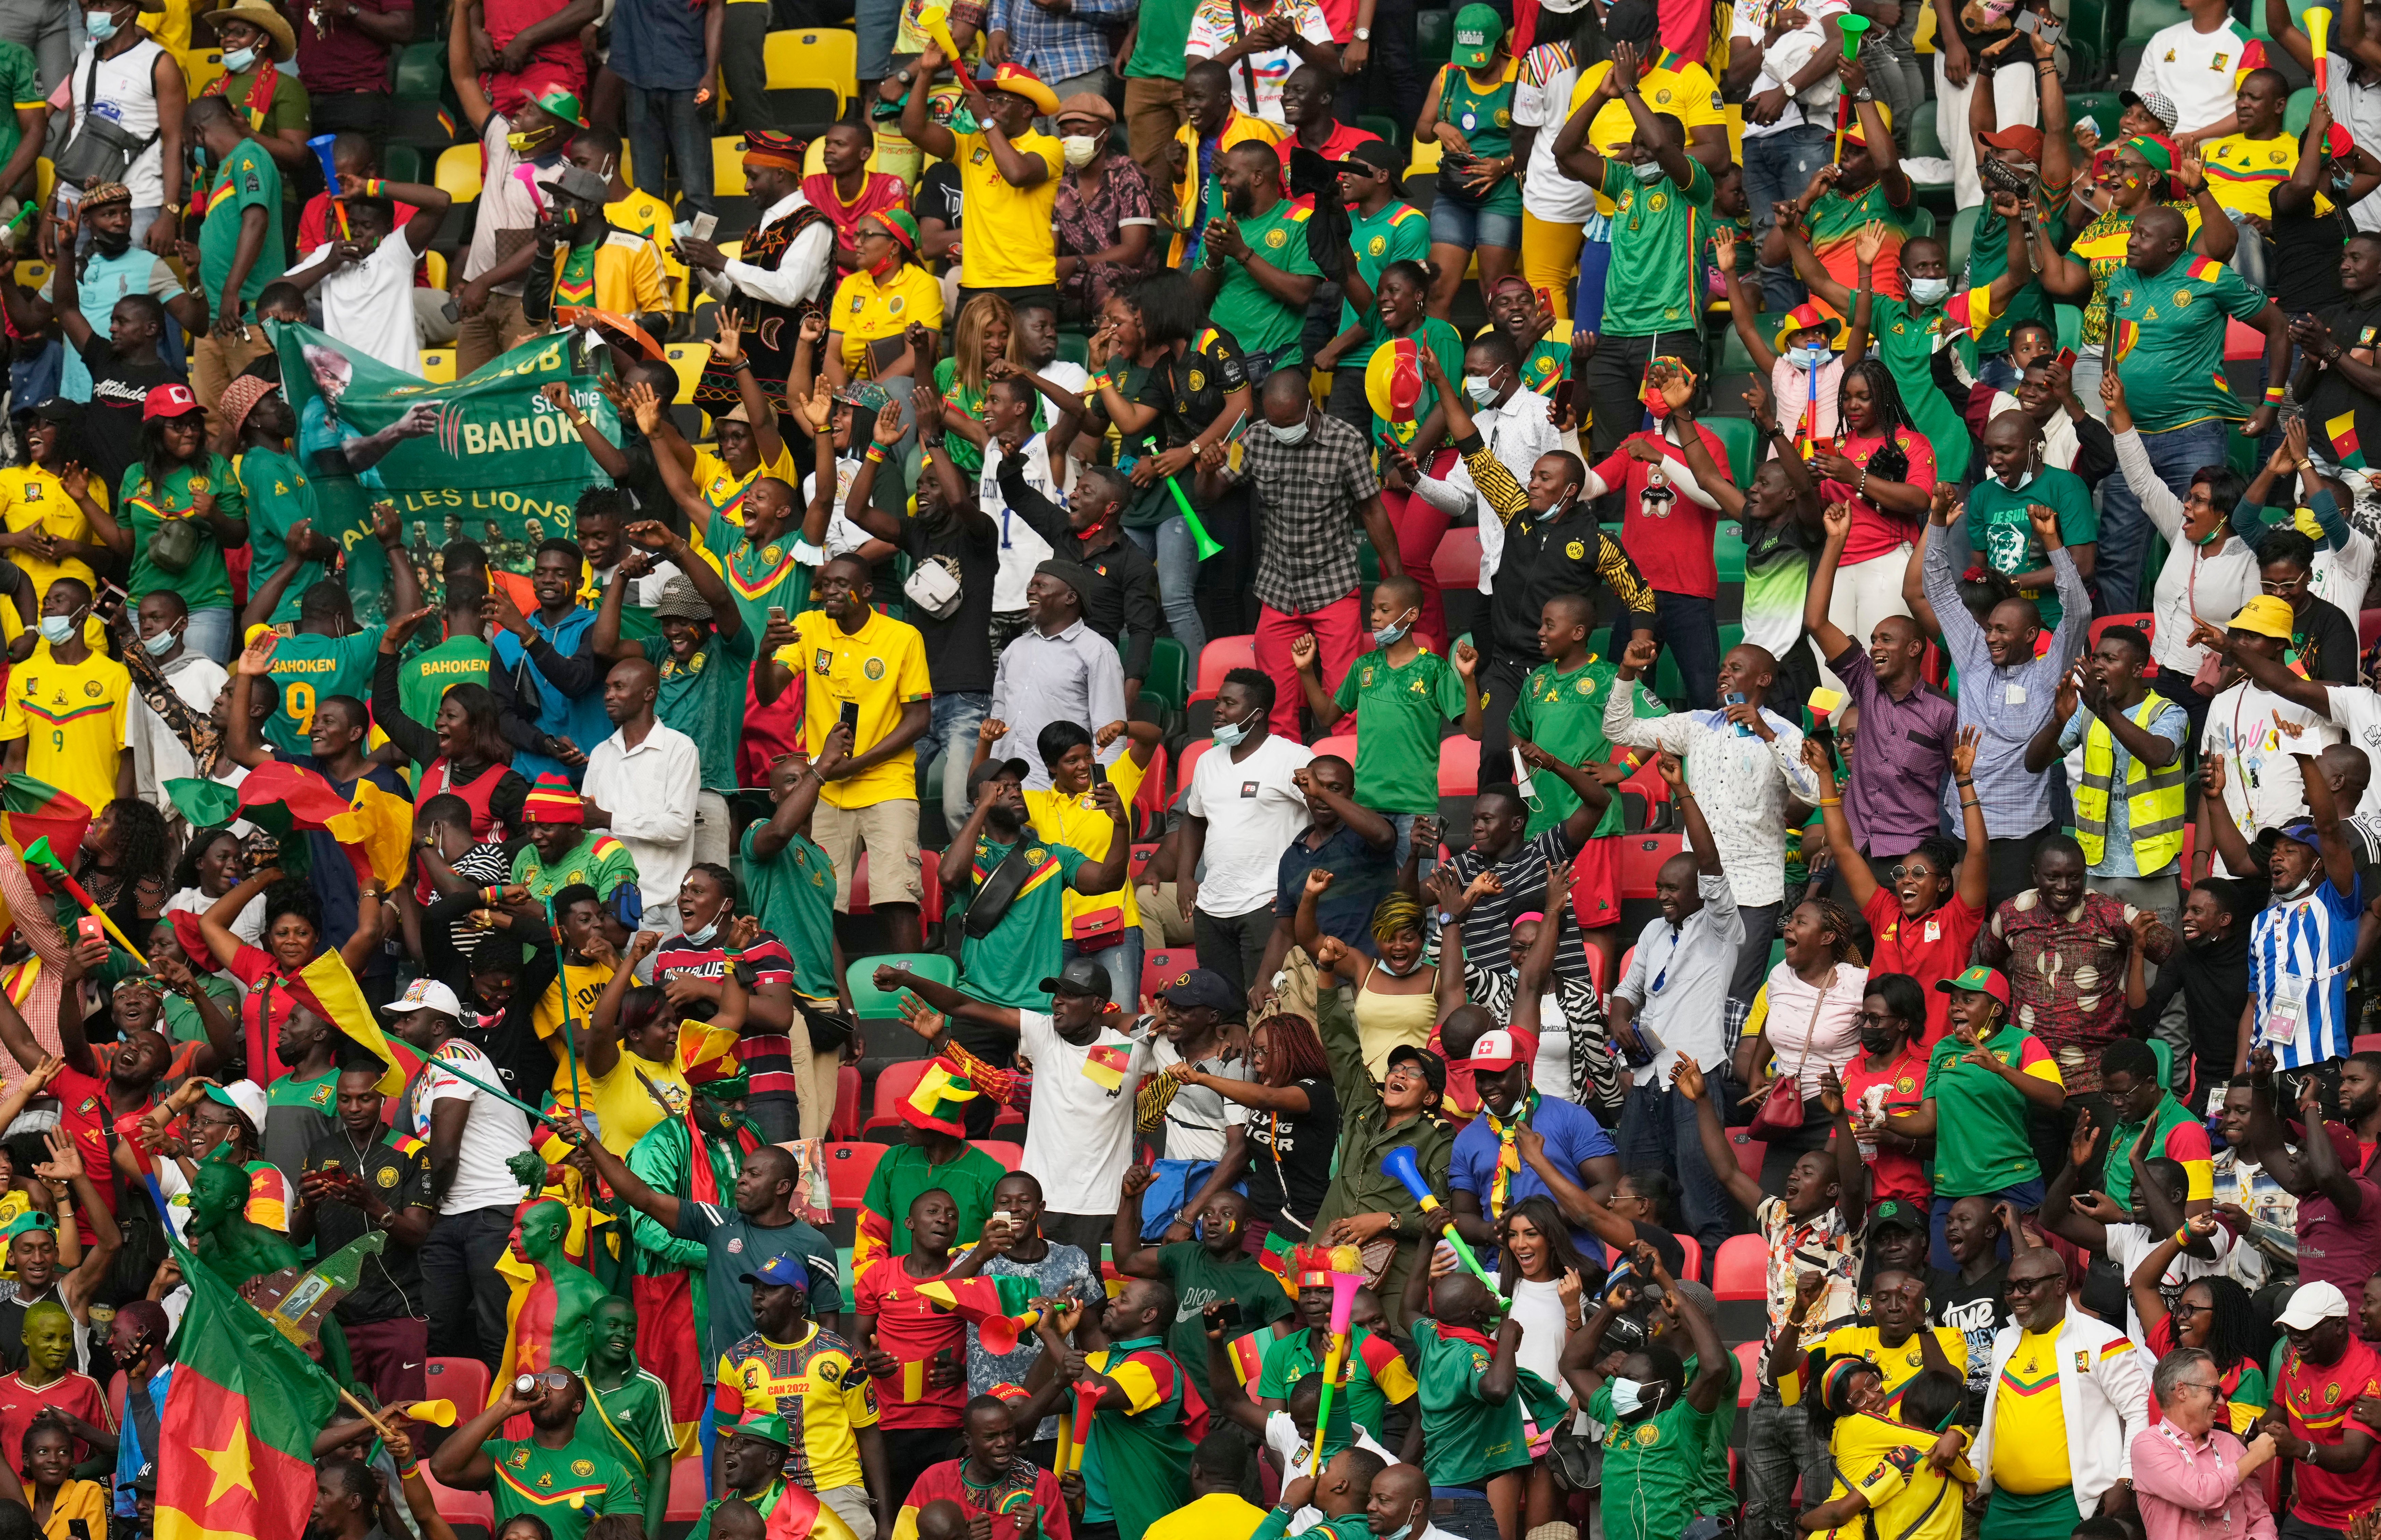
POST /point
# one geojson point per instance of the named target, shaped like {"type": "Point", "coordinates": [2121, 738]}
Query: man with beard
{"type": "Point", "coordinates": [752, 1454]}
{"type": "Point", "coordinates": [790, 1365]}
{"type": "Point", "coordinates": [362, 1178]}
{"type": "Point", "coordinates": [1256, 274]}
{"type": "Point", "coordinates": [787, 268]}
{"type": "Point", "coordinates": [554, 1474]}
{"type": "Point", "coordinates": [114, 268]}
{"type": "Point", "coordinates": [2327, 1372]}
{"type": "Point", "coordinates": [696, 1158]}
{"type": "Point", "coordinates": [346, 1500]}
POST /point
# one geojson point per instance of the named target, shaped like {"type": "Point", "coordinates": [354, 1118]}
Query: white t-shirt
{"type": "Point", "coordinates": [1196, 1117]}
{"type": "Point", "coordinates": [1786, 58]}
{"type": "Point", "coordinates": [1538, 1306]}
{"type": "Point", "coordinates": [2341, 577]}
{"type": "Point", "coordinates": [248, 926]}
{"type": "Point", "coordinates": [1550, 1070]}
{"type": "Point", "coordinates": [1252, 810]}
{"type": "Point", "coordinates": [1079, 1137]}
{"type": "Point", "coordinates": [2129, 1243]}
{"type": "Point", "coordinates": [2194, 70]}
{"type": "Point", "coordinates": [493, 1132]}
{"type": "Point", "coordinates": [1214, 28]}
{"type": "Point", "coordinates": [369, 305]}
{"type": "Point", "coordinates": [2259, 735]}
{"type": "Point", "coordinates": [2356, 711]}
{"type": "Point", "coordinates": [1542, 100]}
{"type": "Point", "coordinates": [1022, 546]}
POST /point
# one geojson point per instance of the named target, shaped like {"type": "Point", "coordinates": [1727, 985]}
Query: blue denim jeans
{"type": "Point", "coordinates": [1176, 552]}
{"type": "Point", "coordinates": [2125, 530]}
{"type": "Point", "coordinates": [1123, 963]}
{"type": "Point", "coordinates": [1657, 1133]}
{"type": "Point", "coordinates": [667, 124]}
{"type": "Point", "coordinates": [209, 633]}
{"type": "Point", "coordinates": [1777, 167]}
{"type": "Point", "coordinates": [949, 743]}
{"type": "Point", "coordinates": [1595, 261]}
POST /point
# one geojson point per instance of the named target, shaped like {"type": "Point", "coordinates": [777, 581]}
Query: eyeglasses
{"type": "Point", "coordinates": [2211, 1387]}
{"type": "Point", "coordinates": [1864, 1017]}
{"type": "Point", "coordinates": [2292, 585]}
{"type": "Point", "coordinates": [2028, 1285]}
{"type": "Point", "coordinates": [2193, 1309]}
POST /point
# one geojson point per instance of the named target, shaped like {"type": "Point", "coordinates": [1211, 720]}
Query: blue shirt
{"type": "Point", "coordinates": [1361, 877]}
{"type": "Point", "coordinates": [130, 1459]}
{"type": "Point", "coordinates": [660, 43]}
{"type": "Point", "coordinates": [2297, 973]}
{"type": "Point", "coordinates": [1573, 1137]}
{"type": "Point", "coordinates": [2116, 859]}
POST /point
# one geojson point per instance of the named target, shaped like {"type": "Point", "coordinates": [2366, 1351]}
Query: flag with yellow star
{"type": "Point", "coordinates": [246, 1404]}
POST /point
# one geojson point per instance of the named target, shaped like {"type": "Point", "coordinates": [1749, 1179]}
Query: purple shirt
{"type": "Point", "coordinates": [2191, 1490]}
{"type": "Point", "coordinates": [1899, 759]}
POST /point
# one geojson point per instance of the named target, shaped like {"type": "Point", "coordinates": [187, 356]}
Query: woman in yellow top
{"type": "Point", "coordinates": [1066, 815]}
{"type": "Point", "coordinates": [884, 296]}
{"type": "Point", "coordinates": [629, 1052]}
{"type": "Point", "coordinates": [56, 1497]}
{"type": "Point", "coordinates": [1912, 1471]}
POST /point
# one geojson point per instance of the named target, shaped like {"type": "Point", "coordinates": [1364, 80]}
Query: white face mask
{"type": "Point", "coordinates": [1079, 149]}
{"type": "Point", "coordinates": [162, 643]}
{"type": "Point", "coordinates": [1648, 171]}
{"type": "Point", "coordinates": [100, 25]}
{"type": "Point", "coordinates": [1406, 1529]}
{"type": "Point", "coordinates": [1228, 734]}
{"type": "Point", "coordinates": [1808, 359]}
{"type": "Point", "coordinates": [1929, 291]}
{"type": "Point", "coordinates": [1483, 392]}
{"type": "Point", "coordinates": [702, 937]}
{"type": "Point", "coordinates": [58, 629]}
{"type": "Point", "coordinates": [238, 59]}
{"type": "Point", "coordinates": [1295, 433]}
{"type": "Point", "coordinates": [1628, 1396]}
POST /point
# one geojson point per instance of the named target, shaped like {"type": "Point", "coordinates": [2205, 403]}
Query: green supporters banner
{"type": "Point", "coordinates": [485, 458]}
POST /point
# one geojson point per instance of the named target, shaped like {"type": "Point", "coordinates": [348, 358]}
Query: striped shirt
{"type": "Point", "coordinates": [767, 1057]}
{"type": "Point", "coordinates": [2298, 974]}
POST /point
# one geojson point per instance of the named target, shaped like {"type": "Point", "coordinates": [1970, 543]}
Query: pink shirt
{"type": "Point", "coordinates": [2193, 1490]}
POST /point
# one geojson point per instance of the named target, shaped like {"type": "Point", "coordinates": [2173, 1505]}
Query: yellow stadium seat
{"type": "Point", "coordinates": [727, 166]}
{"type": "Point", "coordinates": [1425, 157]}
{"type": "Point", "coordinates": [435, 264]}
{"type": "Point", "coordinates": [202, 68]}
{"type": "Point", "coordinates": [45, 176]}
{"type": "Point", "coordinates": [688, 359]}
{"type": "Point", "coordinates": [1735, 113]}
{"type": "Point", "coordinates": [1560, 332]}
{"type": "Point", "coordinates": [438, 365]}
{"type": "Point", "coordinates": [459, 171]}
{"type": "Point", "coordinates": [800, 57]}
{"type": "Point", "coordinates": [842, 92]}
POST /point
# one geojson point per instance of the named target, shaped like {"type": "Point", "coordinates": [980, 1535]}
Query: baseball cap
{"type": "Point", "coordinates": [2155, 103]}
{"type": "Point", "coordinates": [243, 1096]}
{"type": "Point", "coordinates": [768, 1426]}
{"type": "Point", "coordinates": [1893, 1214]}
{"type": "Point", "coordinates": [425, 994]}
{"type": "Point", "coordinates": [784, 1271]}
{"type": "Point", "coordinates": [682, 601]}
{"type": "Point", "coordinates": [2023, 139]}
{"type": "Point", "coordinates": [1495, 1051]}
{"type": "Point", "coordinates": [1372, 154]}
{"type": "Point", "coordinates": [2158, 153]}
{"type": "Point", "coordinates": [2312, 1305]}
{"type": "Point", "coordinates": [993, 769]}
{"type": "Point", "coordinates": [1080, 976]}
{"type": "Point", "coordinates": [2265, 615]}
{"type": "Point", "coordinates": [168, 401]}
{"type": "Point", "coordinates": [577, 182]}
{"type": "Point", "coordinates": [1478, 30]}
{"type": "Point", "coordinates": [2299, 829]}
{"type": "Point", "coordinates": [1434, 1067]}
{"type": "Point", "coordinates": [1205, 986]}
{"type": "Point", "coordinates": [1979, 980]}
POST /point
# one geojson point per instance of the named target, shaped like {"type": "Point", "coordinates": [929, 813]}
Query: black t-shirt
{"type": "Point", "coordinates": [1488, 926]}
{"type": "Point", "coordinates": [2325, 639]}
{"type": "Point", "coordinates": [1289, 1157]}
{"type": "Point", "coordinates": [1977, 1311]}
{"type": "Point", "coordinates": [111, 427]}
{"type": "Point", "coordinates": [1188, 394]}
{"type": "Point", "coordinates": [389, 1285]}
{"type": "Point", "coordinates": [959, 650]}
{"type": "Point", "coordinates": [2213, 980]}
{"type": "Point", "coordinates": [938, 195]}
{"type": "Point", "coordinates": [2305, 269]}
{"type": "Point", "coordinates": [2355, 325]}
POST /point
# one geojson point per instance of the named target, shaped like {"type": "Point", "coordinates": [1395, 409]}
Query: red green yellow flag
{"type": "Point", "coordinates": [326, 988]}
{"type": "Point", "coordinates": [1278, 1258]}
{"type": "Point", "coordinates": [1105, 1065]}
{"type": "Point", "coordinates": [240, 1418]}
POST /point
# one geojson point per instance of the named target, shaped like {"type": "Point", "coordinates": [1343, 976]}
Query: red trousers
{"type": "Point", "coordinates": [1336, 628]}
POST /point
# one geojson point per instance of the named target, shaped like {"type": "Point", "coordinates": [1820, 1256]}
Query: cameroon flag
{"type": "Point", "coordinates": [981, 1298]}
{"type": "Point", "coordinates": [243, 1410]}
{"type": "Point", "coordinates": [1277, 1259]}
{"type": "Point", "coordinates": [326, 988]}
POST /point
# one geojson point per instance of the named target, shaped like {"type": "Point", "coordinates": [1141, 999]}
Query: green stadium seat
{"type": "Point", "coordinates": [1734, 357]}
{"type": "Point", "coordinates": [1963, 236]}
{"type": "Point", "coordinates": [400, 163]}
{"type": "Point", "coordinates": [2101, 106]}
{"type": "Point", "coordinates": [2294, 115]}
{"type": "Point", "coordinates": [1727, 543]}
{"type": "Point", "coordinates": [1074, 347]}
{"type": "Point", "coordinates": [1383, 128]}
{"type": "Point", "coordinates": [1169, 673]}
{"type": "Point", "coordinates": [2145, 18]}
{"type": "Point", "coordinates": [1434, 40]}
{"type": "Point", "coordinates": [420, 71]}
{"type": "Point", "coordinates": [1743, 442]}
{"type": "Point", "coordinates": [869, 1003]}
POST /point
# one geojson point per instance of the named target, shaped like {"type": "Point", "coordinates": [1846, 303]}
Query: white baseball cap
{"type": "Point", "coordinates": [425, 994]}
{"type": "Point", "coordinates": [2314, 1303]}
{"type": "Point", "coordinates": [247, 1099]}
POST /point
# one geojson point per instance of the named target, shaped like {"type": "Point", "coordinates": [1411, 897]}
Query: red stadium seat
{"type": "Point", "coordinates": [1750, 1153]}
{"type": "Point", "coordinates": [1459, 767]}
{"type": "Point", "coordinates": [1150, 798]}
{"type": "Point", "coordinates": [1008, 1154]}
{"type": "Point", "coordinates": [2369, 1042]}
{"type": "Point", "coordinates": [1008, 1117]}
{"type": "Point", "coordinates": [1340, 744]}
{"type": "Point", "coordinates": [1748, 1354]}
{"type": "Point", "coordinates": [1161, 970]}
{"type": "Point", "coordinates": [930, 877]}
{"type": "Point", "coordinates": [1219, 658]}
{"type": "Point", "coordinates": [2144, 623]}
{"type": "Point", "coordinates": [465, 1512]}
{"type": "Point", "coordinates": [2243, 343]}
{"type": "Point", "coordinates": [1694, 1255]}
{"type": "Point", "coordinates": [1457, 559]}
{"type": "Point", "coordinates": [463, 1381]}
{"type": "Point", "coordinates": [1191, 753]}
{"type": "Point", "coordinates": [848, 1167]}
{"type": "Point", "coordinates": [1140, 858]}
{"type": "Point", "coordinates": [1742, 1271]}
{"type": "Point", "coordinates": [860, 883]}
{"type": "Point", "coordinates": [894, 1083]}
{"type": "Point", "coordinates": [1642, 856]}
{"type": "Point", "coordinates": [686, 1491]}
{"type": "Point", "coordinates": [845, 1124]}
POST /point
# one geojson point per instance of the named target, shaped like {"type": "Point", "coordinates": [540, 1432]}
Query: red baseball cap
{"type": "Point", "coordinates": [168, 401]}
{"type": "Point", "coordinates": [2018, 137]}
{"type": "Point", "coordinates": [1496, 1052]}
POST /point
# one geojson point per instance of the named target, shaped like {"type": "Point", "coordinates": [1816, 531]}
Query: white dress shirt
{"type": "Point", "coordinates": [797, 274]}
{"type": "Point", "coordinates": [1742, 784]}
{"type": "Point", "coordinates": [648, 789]}
{"type": "Point", "coordinates": [1074, 676]}
{"type": "Point", "coordinates": [1677, 981]}
{"type": "Point", "coordinates": [1516, 431]}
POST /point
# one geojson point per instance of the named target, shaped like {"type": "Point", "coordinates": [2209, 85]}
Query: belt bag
{"type": "Point", "coordinates": [1095, 928]}
{"type": "Point", "coordinates": [101, 151]}
{"type": "Point", "coordinates": [999, 891]}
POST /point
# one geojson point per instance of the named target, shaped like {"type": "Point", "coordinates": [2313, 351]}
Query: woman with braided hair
{"type": "Point", "coordinates": [1884, 471]}
{"type": "Point", "coordinates": [1804, 1025]}
{"type": "Point", "coordinates": [1398, 997]}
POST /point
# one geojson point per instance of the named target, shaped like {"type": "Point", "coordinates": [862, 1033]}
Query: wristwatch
{"type": "Point", "coordinates": [1364, 34]}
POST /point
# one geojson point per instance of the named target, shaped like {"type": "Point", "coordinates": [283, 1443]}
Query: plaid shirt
{"type": "Point", "coordinates": [1306, 494]}
{"type": "Point", "coordinates": [1056, 45]}
{"type": "Point", "coordinates": [2067, 974]}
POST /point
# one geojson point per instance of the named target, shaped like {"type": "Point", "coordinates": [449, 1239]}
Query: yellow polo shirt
{"type": "Point", "coordinates": [1077, 821]}
{"type": "Point", "coordinates": [864, 310]}
{"type": "Point", "coordinates": [883, 667]}
{"type": "Point", "coordinates": [32, 498]}
{"type": "Point", "coordinates": [1686, 91]}
{"type": "Point", "coordinates": [1012, 237]}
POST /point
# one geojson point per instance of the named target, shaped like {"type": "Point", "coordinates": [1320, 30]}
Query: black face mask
{"type": "Point", "coordinates": [1876, 1042]}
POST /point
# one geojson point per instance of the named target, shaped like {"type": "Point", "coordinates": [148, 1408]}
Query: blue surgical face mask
{"type": "Point", "coordinates": [100, 25]}
{"type": "Point", "coordinates": [1929, 291]}
{"type": "Point", "coordinates": [702, 937]}
{"type": "Point", "coordinates": [162, 643]}
{"type": "Point", "coordinates": [1228, 734]}
{"type": "Point", "coordinates": [1630, 1398]}
{"type": "Point", "coordinates": [1649, 170]}
{"type": "Point", "coordinates": [1395, 632]}
{"type": "Point", "coordinates": [1482, 390]}
{"type": "Point", "coordinates": [238, 60]}
{"type": "Point", "coordinates": [1808, 359]}
{"type": "Point", "coordinates": [1405, 1530]}
{"type": "Point", "coordinates": [58, 629]}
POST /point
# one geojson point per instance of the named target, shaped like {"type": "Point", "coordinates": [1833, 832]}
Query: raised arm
{"type": "Point", "coordinates": [1687, 1079]}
